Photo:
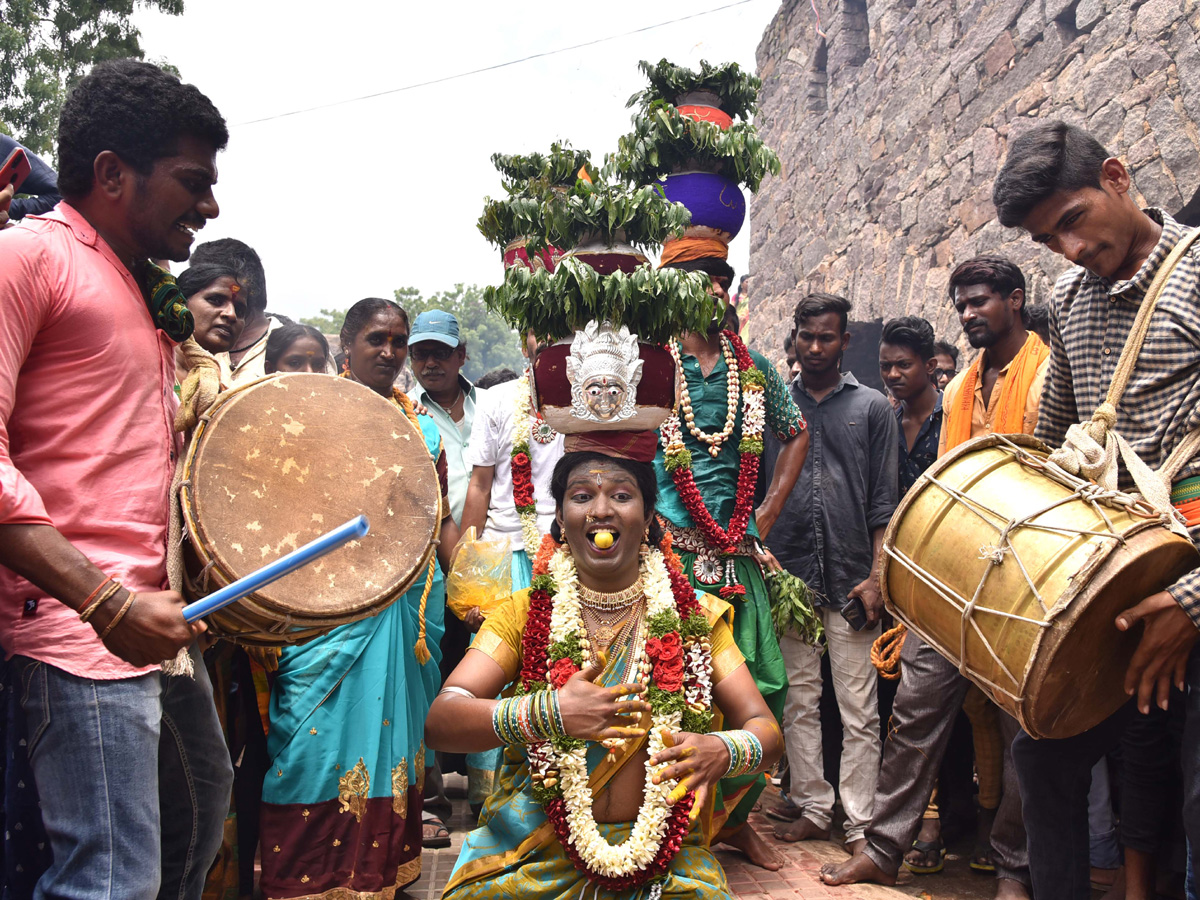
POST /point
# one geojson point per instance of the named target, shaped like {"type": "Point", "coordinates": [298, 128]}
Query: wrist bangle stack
{"type": "Point", "coordinates": [529, 719]}
{"type": "Point", "coordinates": [745, 752]}
{"type": "Point", "coordinates": [116, 620]}
{"type": "Point", "coordinates": [98, 598]}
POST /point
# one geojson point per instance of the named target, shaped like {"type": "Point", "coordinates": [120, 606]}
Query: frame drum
{"type": "Point", "coordinates": [278, 462]}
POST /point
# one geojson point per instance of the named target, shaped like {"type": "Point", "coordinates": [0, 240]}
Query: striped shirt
{"type": "Point", "coordinates": [1090, 319]}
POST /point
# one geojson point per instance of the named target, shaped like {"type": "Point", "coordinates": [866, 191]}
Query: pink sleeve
{"type": "Point", "coordinates": [25, 303]}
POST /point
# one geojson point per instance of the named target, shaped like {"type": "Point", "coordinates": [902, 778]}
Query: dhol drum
{"type": "Point", "coordinates": [1015, 571]}
{"type": "Point", "coordinates": [278, 462]}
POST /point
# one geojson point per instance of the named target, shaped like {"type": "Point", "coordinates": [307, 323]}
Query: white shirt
{"type": "Point", "coordinates": [491, 445]}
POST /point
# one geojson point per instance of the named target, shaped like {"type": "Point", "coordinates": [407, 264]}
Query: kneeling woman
{"type": "Point", "coordinates": [619, 673]}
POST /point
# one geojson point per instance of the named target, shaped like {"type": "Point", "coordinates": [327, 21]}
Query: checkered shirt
{"type": "Point", "coordinates": [1091, 318]}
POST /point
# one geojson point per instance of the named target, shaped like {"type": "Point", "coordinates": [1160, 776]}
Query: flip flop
{"type": "Point", "coordinates": [441, 837]}
{"type": "Point", "coordinates": [928, 847]}
{"type": "Point", "coordinates": [982, 862]}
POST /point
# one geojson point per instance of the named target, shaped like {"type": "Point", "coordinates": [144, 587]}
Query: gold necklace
{"type": "Point", "coordinates": [598, 600]}
{"type": "Point", "coordinates": [606, 628]}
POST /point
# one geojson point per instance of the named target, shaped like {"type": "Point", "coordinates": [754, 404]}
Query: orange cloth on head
{"type": "Point", "coordinates": [690, 248]}
{"type": "Point", "coordinates": [1010, 412]}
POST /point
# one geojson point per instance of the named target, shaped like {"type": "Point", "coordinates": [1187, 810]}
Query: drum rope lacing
{"type": "Point", "coordinates": [1094, 495]}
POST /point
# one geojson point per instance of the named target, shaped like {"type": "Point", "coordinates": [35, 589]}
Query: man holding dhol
{"type": "Point", "coordinates": [1062, 186]}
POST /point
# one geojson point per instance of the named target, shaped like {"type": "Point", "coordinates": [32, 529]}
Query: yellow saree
{"type": "Point", "coordinates": [515, 852]}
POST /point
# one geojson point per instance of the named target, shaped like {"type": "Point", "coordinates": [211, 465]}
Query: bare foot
{"type": "Point", "coordinates": [1008, 889]}
{"type": "Point", "coordinates": [855, 846]}
{"type": "Point", "coordinates": [753, 847]}
{"type": "Point", "coordinates": [857, 869]}
{"type": "Point", "coordinates": [801, 830]}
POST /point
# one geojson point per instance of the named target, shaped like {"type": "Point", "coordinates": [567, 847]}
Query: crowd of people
{"type": "Point", "coordinates": [325, 761]}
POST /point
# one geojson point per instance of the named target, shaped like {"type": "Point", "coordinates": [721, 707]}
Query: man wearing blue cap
{"type": "Point", "coordinates": [437, 354]}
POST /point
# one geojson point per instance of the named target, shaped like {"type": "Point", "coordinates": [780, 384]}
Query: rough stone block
{"type": "Point", "coordinates": [1106, 123]}
{"type": "Point", "coordinates": [1088, 13]}
{"type": "Point", "coordinates": [999, 55]}
{"type": "Point", "coordinates": [1107, 80]}
{"type": "Point", "coordinates": [1178, 152]}
{"type": "Point", "coordinates": [1156, 16]}
{"type": "Point", "coordinates": [1030, 24]}
{"type": "Point", "coordinates": [1156, 187]}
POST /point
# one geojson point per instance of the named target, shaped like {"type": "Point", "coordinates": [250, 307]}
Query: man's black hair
{"type": "Point", "coordinates": [1048, 158]}
{"type": "Point", "coordinates": [495, 377]}
{"type": "Point", "coordinates": [818, 304]}
{"type": "Point", "coordinates": [1037, 319]}
{"type": "Point", "coordinates": [642, 472]}
{"type": "Point", "coordinates": [946, 347]}
{"type": "Point", "coordinates": [912, 332]}
{"type": "Point", "coordinates": [227, 257]}
{"type": "Point", "coordinates": [999, 273]}
{"type": "Point", "coordinates": [712, 265]}
{"type": "Point", "coordinates": [137, 111]}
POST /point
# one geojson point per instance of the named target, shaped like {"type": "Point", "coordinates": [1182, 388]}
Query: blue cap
{"type": "Point", "coordinates": [435, 325]}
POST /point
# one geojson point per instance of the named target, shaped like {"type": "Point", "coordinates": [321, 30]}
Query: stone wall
{"type": "Point", "coordinates": [892, 127]}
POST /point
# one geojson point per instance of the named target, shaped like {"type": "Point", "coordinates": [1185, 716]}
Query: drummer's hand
{"type": "Point", "coordinates": [767, 561]}
{"type": "Point", "coordinates": [872, 600]}
{"type": "Point", "coordinates": [1162, 653]}
{"type": "Point", "coordinates": [152, 630]}
{"type": "Point", "coordinates": [420, 408]}
{"type": "Point", "coordinates": [697, 760]}
{"type": "Point", "coordinates": [596, 713]}
{"type": "Point", "coordinates": [473, 619]}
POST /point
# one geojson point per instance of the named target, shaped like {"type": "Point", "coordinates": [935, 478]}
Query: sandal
{"type": "Point", "coordinates": [434, 833]}
{"type": "Point", "coordinates": [929, 849]}
{"type": "Point", "coordinates": [982, 862]}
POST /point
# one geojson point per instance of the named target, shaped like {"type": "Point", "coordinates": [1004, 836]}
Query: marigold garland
{"type": "Point", "coordinates": [675, 663]}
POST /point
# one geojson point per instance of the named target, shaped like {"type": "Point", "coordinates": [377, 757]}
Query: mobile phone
{"type": "Point", "coordinates": [15, 169]}
{"type": "Point", "coordinates": [855, 613]}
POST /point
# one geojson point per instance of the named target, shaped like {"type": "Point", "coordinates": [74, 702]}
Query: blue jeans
{"type": "Point", "coordinates": [134, 779]}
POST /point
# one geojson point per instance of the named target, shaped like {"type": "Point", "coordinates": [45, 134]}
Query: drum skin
{"type": "Point", "coordinates": [280, 461]}
{"type": "Point", "coordinates": [1067, 675]}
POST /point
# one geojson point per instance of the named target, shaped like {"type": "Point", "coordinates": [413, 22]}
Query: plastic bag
{"type": "Point", "coordinates": [481, 575]}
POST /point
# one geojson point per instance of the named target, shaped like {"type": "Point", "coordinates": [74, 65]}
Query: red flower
{"type": "Point", "coordinates": [562, 670]}
{"type": "Point", "coordinates": [653, 648]}
{"type": "Point", "coordinates": [672, 646]}
{"type": "Point", "coordinates": [520, 459]}
{"type": "Point", "coordinates": [667, 677]}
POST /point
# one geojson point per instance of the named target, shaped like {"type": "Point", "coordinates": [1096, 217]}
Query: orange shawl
{"type": "Point", "coordinates": [1010, 411]}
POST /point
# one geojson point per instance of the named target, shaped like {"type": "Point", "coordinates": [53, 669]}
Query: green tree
{"type": "Point", "coordinates": [328, 322]}
{"type": "Point", "coordinates": [48, 45]}
{"type": "Point", "coordinates": [491, 344]}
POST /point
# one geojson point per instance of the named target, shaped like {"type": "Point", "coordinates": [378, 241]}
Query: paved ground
{"type": "Point", "coordinates": [796, 881]}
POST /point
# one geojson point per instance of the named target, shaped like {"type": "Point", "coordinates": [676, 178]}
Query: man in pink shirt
{"type": "Point", "coordinates": [130, 764]}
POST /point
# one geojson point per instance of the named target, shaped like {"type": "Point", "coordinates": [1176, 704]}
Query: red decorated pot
{"type": "Point", "coordinates": [606, 257]}
{"type": "Point", "coordinates": [604, 380]}
{"type": "Point", "coordinates": [718, 117]}
{"type": "Point", "coordinates": [515, 254]}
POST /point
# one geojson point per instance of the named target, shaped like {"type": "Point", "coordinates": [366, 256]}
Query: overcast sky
{"type": "Point", "coordinates": [359, 198]}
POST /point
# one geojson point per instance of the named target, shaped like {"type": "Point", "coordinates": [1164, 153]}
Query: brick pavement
{"type": "Point", "coordinates": [796, 881]}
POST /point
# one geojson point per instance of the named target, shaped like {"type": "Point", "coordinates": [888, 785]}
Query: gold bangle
{"type": "Point", "coordinates": [104, 597]}
{"type": "Point", "coordinates": [118, 617]}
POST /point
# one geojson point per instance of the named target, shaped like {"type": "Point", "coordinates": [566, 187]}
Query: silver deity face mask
{"type": "Point", "coordinates": [604, 370]}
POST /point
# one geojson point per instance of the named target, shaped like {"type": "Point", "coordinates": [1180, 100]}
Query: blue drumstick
{"type": "Point", "coordinates": [310, 552]}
